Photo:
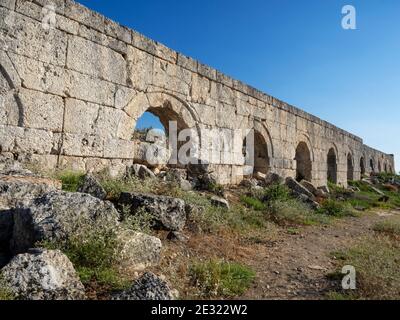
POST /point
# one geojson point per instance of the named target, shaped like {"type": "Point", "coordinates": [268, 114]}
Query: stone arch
{"type": "Point", "coordinates": [350, 167]}
{"type": "Point", "coordinates": [263, 149]}
{"type": "Point", "coordinates": [332, 165]}
{"type": "Point", "coordinates": [11, 108]}
{"type": "Point", "coordinates": [362, 165]}
{"type": "Point", "coordinates": [371, 165]}
{"type": "Point", "coordinates": [166, 107]}
{"type": "Point", "coordinates": [303, 162]}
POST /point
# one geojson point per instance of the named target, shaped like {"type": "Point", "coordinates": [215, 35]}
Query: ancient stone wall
{"type": "Point", "coordinates": [74, 83]}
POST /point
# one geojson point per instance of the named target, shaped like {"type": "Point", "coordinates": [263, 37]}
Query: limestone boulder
{"type": "Point", "coordinates": [57, 216]}
{"type": "Point", "coordinates": [169, 213]}
{"type": "Point", "coordinates": [137, 250]}
{"type": "Point", "coordinates": [309, 186]}
{"type": "Point", "coordinates": [43, 275]}
{"type": "Point", "coordinates": [92, 186]}
{"type": "Point", "coordinates": [140, 171]}
{"type": "Point", "coordinates": [325, 189]}
{"type": "Point", "coordinates": [220, 202]}
{"type": "Point", "coordinates": [147, 287]}
{"type": "Point", "coordinates": [14, 189]}
{"type": "Point", "coordinates": [297, 189]}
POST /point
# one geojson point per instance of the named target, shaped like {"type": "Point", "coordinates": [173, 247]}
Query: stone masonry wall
{"type": "Point", "coordinates": [71, 96]}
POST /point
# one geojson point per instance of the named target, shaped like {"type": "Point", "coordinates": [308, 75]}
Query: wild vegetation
{"type": "Point", "coordinates": [255, 215]}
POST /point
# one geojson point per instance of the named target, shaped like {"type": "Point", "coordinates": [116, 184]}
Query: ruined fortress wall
{"type": "Point", "coordinates": [71, 96]}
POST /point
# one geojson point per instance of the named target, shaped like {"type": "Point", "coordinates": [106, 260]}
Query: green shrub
{"type": "Point", "coordinates": [141, 220]}
{"type": "Point", "coordinates": [221, 279]}
{"type": "Point", "coordinates": [293, 211]}
{"type": "Point", "coordinates": [335, 208]}
{"type": "Point", "coordinates": [254, 203]}
{"type": "Point", "coordinates": [276, 192]}
{"type": "Point", "coordinates": [94, 257]}
{"type": "Point", "coordinates": [70, 180]}
{"type": "Point", "coordinates": [216, 188]}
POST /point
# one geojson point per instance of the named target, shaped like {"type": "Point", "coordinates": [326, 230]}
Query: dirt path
{"type": "Point", "coordinates": [294, 266]}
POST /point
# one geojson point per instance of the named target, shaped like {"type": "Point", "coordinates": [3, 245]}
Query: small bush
{"type": "Point", "coordinates": [276, 192]}
{"type": "Point", "coordinates": [293, 212]}
{"type": "Point", "coordinates": [335, 208]}
{"type": "Point", "coordinates": [254, 203]}
{"type": "Point", "coordinates": [216, 188]}
{"type": "Point", "coordinates": [93, 256]}
{"type": "Point", "coordinates": [219, 278]}
{"type": "Point", "coordinates": [141, 220]}
{"type": "Point", "coordinates": [70, 180]}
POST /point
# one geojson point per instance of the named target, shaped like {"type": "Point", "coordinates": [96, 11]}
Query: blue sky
{"type": "Point", "coordinates": [294, 50]}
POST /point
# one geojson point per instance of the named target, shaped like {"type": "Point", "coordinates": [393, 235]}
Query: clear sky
{"type": "Point", "coordinates": [295, 50]}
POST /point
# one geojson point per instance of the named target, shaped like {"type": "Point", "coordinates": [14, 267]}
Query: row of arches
{"type": "Point", "coordinates": [263, 152]}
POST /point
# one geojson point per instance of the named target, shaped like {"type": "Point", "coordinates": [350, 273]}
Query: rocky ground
{"type": "Point", "coordinates": [176, 234]}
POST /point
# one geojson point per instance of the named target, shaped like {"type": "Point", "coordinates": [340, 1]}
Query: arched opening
{"type": "Point", "coordinates": [256, 153]}
{"type": "Point", "coordinates": [379, 167]}
{"type": "Point", "coordinates": [156, 147]}
{"type": "Point", "coordinates": [386, 168]}
{"type": "Point", "coordinates": [303, 162]}
{"type": "Point", "coordinates": [350, 168]}
{"type": "Point", "coordinates": [362, 166]}
{"type": "Point", "coordinates": [332, 166]}
{"type": "Point", "coordinates": [371, 165]}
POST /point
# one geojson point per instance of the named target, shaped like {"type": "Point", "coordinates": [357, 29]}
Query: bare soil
{"type": "Point", "coordinates": [289, 263]}
{"type": "Point", "coordinates": [295, 267]}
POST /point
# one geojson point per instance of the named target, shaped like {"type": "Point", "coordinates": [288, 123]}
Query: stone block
{"type": "Point", "coordinates": [96, 60]}
{"type": "Point", "coordinates": [41, 111]}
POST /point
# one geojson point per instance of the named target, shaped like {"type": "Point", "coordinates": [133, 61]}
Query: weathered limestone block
{"type": "Point", "coordinates": [187, 63]}
{"type": "Point", "coordinates": [43, 275]}
{"type": "Point", "coordinates": [10, 4]}
{"type": "Point", "coordinates": [96, 60]}
{"type": "Point", "coordinates": [200, 90]}
{"type": "Point", "coordinates": [118, 148]}
{"type": "Point", "coordinates": [58, 216]}
{"type": "Point", "coordinates": [41, 76]}
{"type": "Point", "coordinates": [91, 89]}
{"type": "Point", "coordinates": [206, 71]}
{"type": "Point", "coordinates": [139, 251]}
{"type": "Point", "coordinates": [137, 106]}
{"type": "Point", "coordinates": [140, 66]}
{"type": "Point", "coordinates": [80, 116]}
{"type": "Point", "coordinates": [147, 287]}
{"type": "Point", "coordinates": [25, 36]}
{"type": "Point", "coordinates": [10, 110]}
{"type": "Point", "coordinates": [117, 31]}
{"type": "Point", "coordinates": [169, 213]}
{"type": "Point", "coordinates": [41, 111]}
{"type": "Point", "coordinates": [35, 141]}
{"type": "Point", "coordinates": [83, 15]}
{"type": "Point", "coordinates": [226, 115]}
{"type": "Point", "coordinates": [83, 145]}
